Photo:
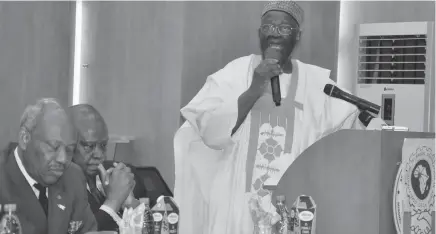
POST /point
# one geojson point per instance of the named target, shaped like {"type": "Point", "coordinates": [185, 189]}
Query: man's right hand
{"type": "Point", "coordinates": [121, 182]}
{"type": "Point", "coordinates": [262, 75]}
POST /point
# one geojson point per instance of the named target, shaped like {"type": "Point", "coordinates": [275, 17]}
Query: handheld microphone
{"type": "Point", "coordinates": [275, 53]}
{"type": "Point", "coordinates": [362, 104]}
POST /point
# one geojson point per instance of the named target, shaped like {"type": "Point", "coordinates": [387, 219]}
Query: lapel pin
{"type": "Point", "coordinates": [62, 207]}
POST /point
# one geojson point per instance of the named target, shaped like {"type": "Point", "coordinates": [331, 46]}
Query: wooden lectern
{"type": "Point", "coordinates": [350, 175]}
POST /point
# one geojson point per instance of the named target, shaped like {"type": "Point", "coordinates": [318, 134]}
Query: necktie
{"type": "Point", "coordinates": [42, 197]}
{"type": "Point", "coordinates": [97, 195]}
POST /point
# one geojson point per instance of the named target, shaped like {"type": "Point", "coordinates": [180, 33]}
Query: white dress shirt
{"type": "Point", "coordinates": [29, 179]}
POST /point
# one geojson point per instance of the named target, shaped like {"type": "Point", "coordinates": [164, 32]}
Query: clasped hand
{"type": "Point", "coordinates": [118, 183]}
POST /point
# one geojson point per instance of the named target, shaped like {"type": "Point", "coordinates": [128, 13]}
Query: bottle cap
{"type": "Point", "coordinates": [145, 200]}
{"type": "Point", "coordinates": [281, 198]}
{"type": "Point", "coordinates": [10, 207]}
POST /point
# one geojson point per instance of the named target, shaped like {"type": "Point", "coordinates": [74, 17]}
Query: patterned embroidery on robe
{"type": "Point", "coordinates": [271, 145]}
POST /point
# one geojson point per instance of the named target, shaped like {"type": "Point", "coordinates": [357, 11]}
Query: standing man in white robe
{"type": "Point", "coordinates": [235, 140]}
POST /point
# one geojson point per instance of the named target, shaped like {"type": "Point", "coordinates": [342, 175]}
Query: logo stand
{"type": "Point", "coordinates": [414, 188]}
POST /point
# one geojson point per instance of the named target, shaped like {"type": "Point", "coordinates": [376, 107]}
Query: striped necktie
{"type": "Point", "coordinates": [42, 197]}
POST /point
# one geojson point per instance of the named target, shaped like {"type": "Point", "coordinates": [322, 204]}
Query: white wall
{"type": "Point", "coordinates": [35, 58]}
{"type": "Point", "coordinates": [147, 59]}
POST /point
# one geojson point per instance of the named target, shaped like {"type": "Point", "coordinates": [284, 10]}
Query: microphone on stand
{"type": "Point", "coordinates": [371, 122]}
{"type": "Point", "coordinates": [275, 53]}
{"type": "Point", "coordinates": [365, 117]}
{"type": "Point", "coordinates": [362, 104]}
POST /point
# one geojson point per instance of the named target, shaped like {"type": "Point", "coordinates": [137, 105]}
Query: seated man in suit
{"type": "Point", "coordinates": [40, 179]}
{"type": "Point", "coordinates": [90, 153]}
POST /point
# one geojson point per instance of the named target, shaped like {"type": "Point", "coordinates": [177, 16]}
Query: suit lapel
{"type": "Point", "coordinates": [27, 202]}
{"type": "Point", "coordinates": [59, 209]}
{"type": "Point", "coordinates": [93, 203]}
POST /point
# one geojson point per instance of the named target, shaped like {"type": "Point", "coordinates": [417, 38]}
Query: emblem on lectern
{"type": "Point", "coordinates": [399, 194]}
{"type": "Point", "coordinates": [414, 192]}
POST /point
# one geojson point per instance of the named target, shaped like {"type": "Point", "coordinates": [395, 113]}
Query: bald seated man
{"type": "Point", "coordinates": [105, 201]}
{"type": "Point", "coordinates": [49, 191]}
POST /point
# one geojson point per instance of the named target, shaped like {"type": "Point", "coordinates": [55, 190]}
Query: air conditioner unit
{"type": "Point", "coordinates": [395, 71]}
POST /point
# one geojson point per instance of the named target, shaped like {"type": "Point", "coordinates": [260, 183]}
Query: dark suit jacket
{"type": "Point", "coordinates": [69, 191]}
{"type": "Point", "coordinates": [104, 220]}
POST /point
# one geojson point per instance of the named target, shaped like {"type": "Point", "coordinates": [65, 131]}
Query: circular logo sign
{"type": "Point", "coordinates": [414, 189]}
{"type": "Point", "coordinates": [157, 217]}
{"type": "Point", "coordinates": [305, 216]}
{"type": "Point", "coordinates": [173, 218]}
{"type": "Point", "coordinates": [419, 178]}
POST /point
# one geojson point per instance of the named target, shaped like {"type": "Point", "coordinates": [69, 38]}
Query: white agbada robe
{"type": "Point", "coordinates": [210, 164]}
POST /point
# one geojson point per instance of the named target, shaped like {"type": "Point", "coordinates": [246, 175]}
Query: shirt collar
{"type": "Point", "coordinates": [29, 179]}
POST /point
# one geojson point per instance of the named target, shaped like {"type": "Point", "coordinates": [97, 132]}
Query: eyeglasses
{"type": "Point", "coordinates": [91, 146]}
{"type": "Point", "coordinates": [282, 29]}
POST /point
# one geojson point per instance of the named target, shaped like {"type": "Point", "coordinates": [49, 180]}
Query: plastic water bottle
{"type": "Point", "coordinates": [147, 227]}
{"type": "Point", "coordinates": [284, 213]}
{"type": "Point", "coordinates": [1, 226]}
{"type": "Point", "coordinates": [10, 224]}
